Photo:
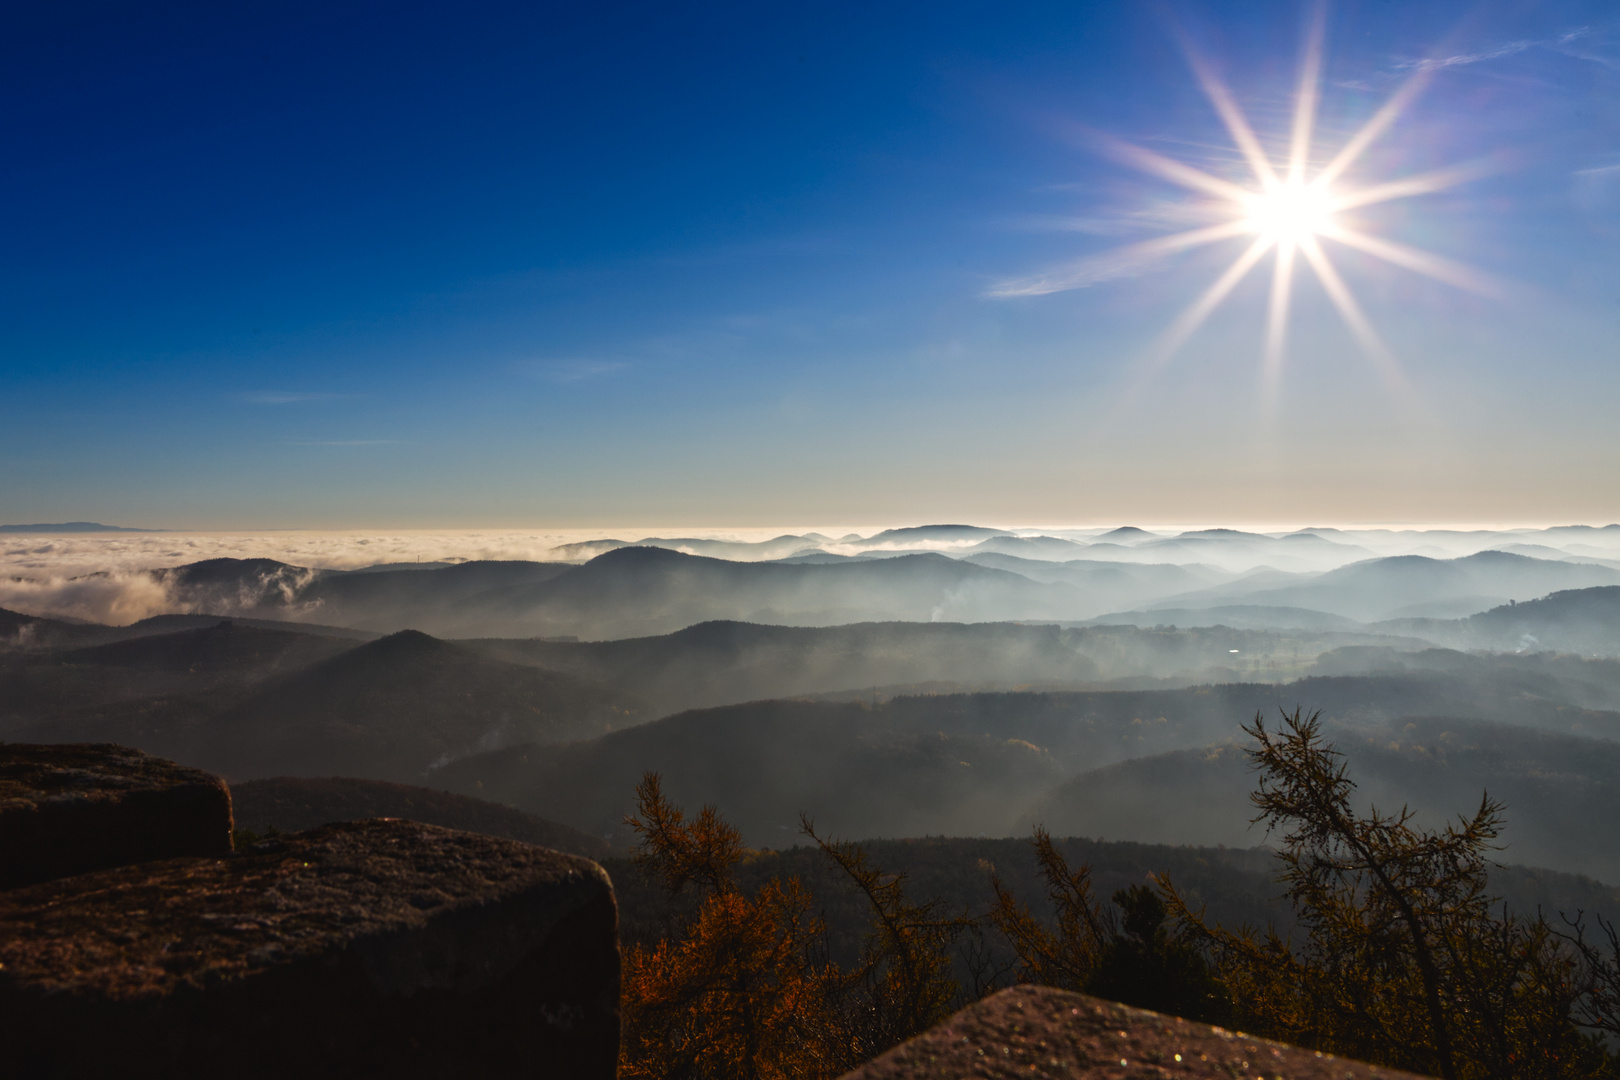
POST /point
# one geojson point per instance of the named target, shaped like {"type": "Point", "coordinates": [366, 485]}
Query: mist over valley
{"type": "Point", "coordinates": [920, 681]}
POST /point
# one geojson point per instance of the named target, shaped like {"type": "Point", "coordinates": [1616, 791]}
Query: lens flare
{"type": "Point", "coordinates": [1288, 208]}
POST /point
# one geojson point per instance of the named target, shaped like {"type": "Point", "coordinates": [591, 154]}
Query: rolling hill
{"type": "Point", "coordinates": [390, 709]}
{"type": "Point", "coordinates": [1562, 792]}
{"type": "Point", "coordinates": [1415, 585]}
{"type": "Point", "coordinates": [723, 663]}
{"type": "Point", "coordinates": [251, 702]}
{"type": "Point", "coordinates": [765, 763]}
{"type": "Point", "coordinates": [18, 631]}
{"type": "Point", "coordinates": [637, 591]}
{"type": "Point", "coordinates": [960, 764]}
{"type": "Point", "coordinates": [1584, 621]}
{"type": "Point", "coordinates": [293, 804]}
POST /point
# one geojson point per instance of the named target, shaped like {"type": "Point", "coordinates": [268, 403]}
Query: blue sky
{"type": "Point", "coordinates": [345, 265]}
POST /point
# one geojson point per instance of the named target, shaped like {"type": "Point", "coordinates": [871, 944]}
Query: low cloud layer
{"type": "Point", "coordinates": [120, 578]}
{"type": "Point", "coordinates": [108, 578]}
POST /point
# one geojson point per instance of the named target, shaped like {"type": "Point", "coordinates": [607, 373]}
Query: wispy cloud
{"type": "Point", "coordinates": [1080, 275]}
{"type": "Point", "coordinates": [1568, 44]}
{"type": "Point", "coordinates": [1128, 261]}
{"type": "Point", "coordinates": [1431, 63]}
{"type": "Point", "coordinates": [286, 397]}
{"type": "Point", "coordinates": [573, 370]}
{"type": "Point", "coordinates": [1604, 171]}
{"type": "Point", "coordinates": [1150, 217]}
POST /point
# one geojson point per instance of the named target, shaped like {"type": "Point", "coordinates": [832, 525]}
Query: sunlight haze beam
{"type": "Point", "coordinates": [1452, 273]}
{"type": "Point", "coordinates": [1174, 171]}
{"type": "Point", "coordinates": [1282, 282]}
{"type": "Point", "coordinates": [1421, 184]}
{"type": "Point", "coordinates": [1236, 123]}
{"type": "Point", "coordinates": [1119, 262]}
{"type": "Point", "coordinates": [1188, 322]}
{"type": "Point", "coordinates": [1373, 128]}
{"type": "Point", "coordinates": [1310, 82]}
{"type": "Point", "coordinates": [1351, 312]}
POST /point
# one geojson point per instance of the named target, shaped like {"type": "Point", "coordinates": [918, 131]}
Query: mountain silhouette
{"type": "Point", "coordinates": [1563, 804]}
{"type": "Point", "coordinates": [19, 631]}
{"type": "Point", "coordinates": [293, 804]}
{"type": "Point", "coordinates": [1584, 621]}
{"type": "Point", "coordinates": [1414, 585]}
{"type": "Point", "coordinates": [635, 591]}
{"type": "Point", "coordinates": [223, 646]}
{"type": "Point", "coordinates": [725, 662]}
{"type": "Point", "coordinates": [392, 708]}
{"type": "Point", "coordinates": [73, 527]}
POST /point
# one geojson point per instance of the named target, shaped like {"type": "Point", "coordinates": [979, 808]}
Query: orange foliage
{"type": "Point", "coordinates": [744, 991]}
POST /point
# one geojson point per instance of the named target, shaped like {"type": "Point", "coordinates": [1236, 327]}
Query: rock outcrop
{"type": "Point", "coordinates": [71, 809]}
{"type": "Point", "coordinates": [1038, 1032]}
{"type": "Point", "coordinates": [374, 948]}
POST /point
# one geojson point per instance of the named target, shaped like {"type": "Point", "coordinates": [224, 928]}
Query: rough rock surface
{"type": "Point", "coordinates": [80, 807]}
{"type": "Point", "coordinates": [374, 948]}
{"type": "Point", "coordinates": [1032, 1031]}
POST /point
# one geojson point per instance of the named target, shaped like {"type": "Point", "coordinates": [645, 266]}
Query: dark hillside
{"type": "Point", "coordinates": [224, 646]}
{"type": "Point", "coordinates": [391, 708]}
{"type": "Point", "coordinates": [1562, 792]}
{"type": "Point", "coordinates": [1574, 680]}
{"type": "Point", "coordinates": [379, 600]}
{"type": "Point", "coordinates": [1584, 621]}
{"type": "Point", "coordinates": [1107, 582]}
{"type": "Point", "coordinates": [171, 624]}
{"type": "Point", "coordinates": [1414, 585]}
{"type": "Point", "coordinates": [724, 663]}
{"type": "Point", "coordinates": [765, 763]}
{"type": "Point", "coordinates": [448, 600]}
{"type": "Point", "coordinates": [151, 692]}
{"type": "Point", "coordinates": [963, 764]}
{"type": "Point", "coordinates": [18, 631]}
{"type": "Point", "coordinates": [1237, 884]}
{"type": "Point", "coordinates": [292, 804]}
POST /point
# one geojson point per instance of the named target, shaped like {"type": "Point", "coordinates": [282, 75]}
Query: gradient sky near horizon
{"type": "Point", "coordinates": [351, 265]}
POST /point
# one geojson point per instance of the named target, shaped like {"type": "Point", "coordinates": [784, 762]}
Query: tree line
{"type": "Point", "coordinates": [1399, 956]}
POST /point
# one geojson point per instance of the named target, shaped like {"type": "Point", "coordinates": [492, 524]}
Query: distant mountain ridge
{"type": "Point", "coordinates": [1389, 587]}
{"type": "Point", "coordinates": [641, 591]}
{"type": "Point", "coordinates": [249, 702]}
{"type": "Point", "coordinates": [393, 708]}
{"type": "Point", "coordinates": [73, 527]}
{"type": "Point", "coordinates": [1584, 621]}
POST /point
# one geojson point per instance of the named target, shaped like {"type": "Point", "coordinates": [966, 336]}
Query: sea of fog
{"type": "Point", "coordinates": [105, 577]}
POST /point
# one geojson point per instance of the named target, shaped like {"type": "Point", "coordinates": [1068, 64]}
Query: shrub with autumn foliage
{"type": "Point", "coordinates": [742, 988]}
{"type": "Point", "coordinates": [1400, 955]}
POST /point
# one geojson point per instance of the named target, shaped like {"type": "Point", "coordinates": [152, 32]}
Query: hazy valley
{"type": "Point", "coordinates": [945, 680]}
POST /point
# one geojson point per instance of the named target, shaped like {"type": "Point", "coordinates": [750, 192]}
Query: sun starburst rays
{"type": "Point", "coordinates": [1286, 209]}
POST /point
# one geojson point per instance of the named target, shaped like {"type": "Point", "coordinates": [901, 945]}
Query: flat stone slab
{"type": "Point", "coordinates": [1036, 1031]}
{"type": "Point", "coordinates": [376, 948]}
{"type": "Point", "coordinates": [79, 807]}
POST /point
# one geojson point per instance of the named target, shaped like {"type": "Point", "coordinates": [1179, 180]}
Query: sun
{"type": "Point", "coordinates": [1290, 213]}
{"type": "Point", "coordinates": [1287, 208]}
